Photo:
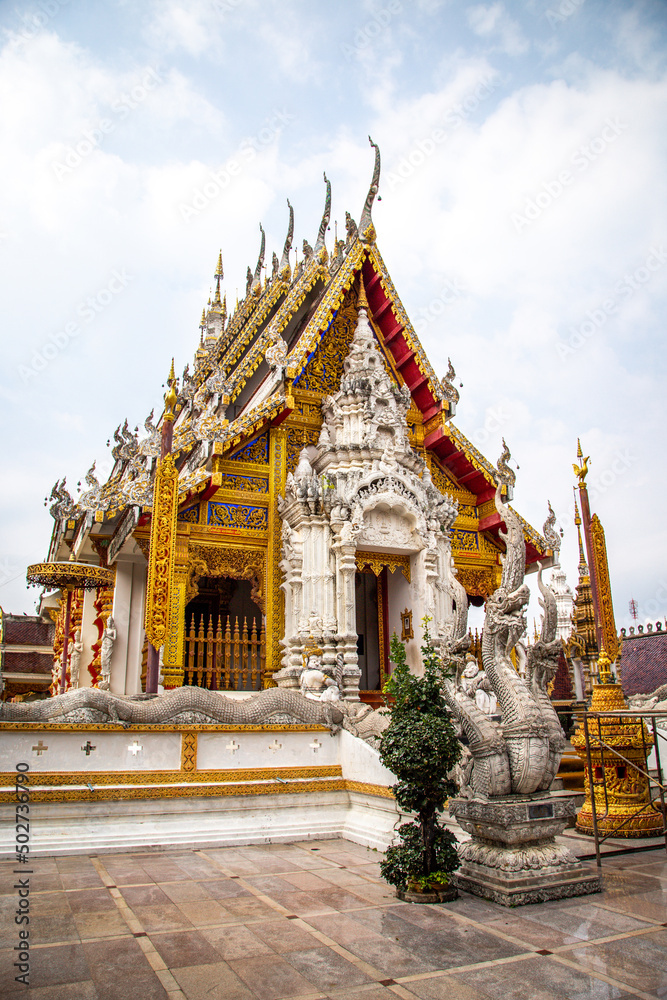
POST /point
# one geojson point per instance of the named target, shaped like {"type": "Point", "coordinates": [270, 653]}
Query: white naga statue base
{"type": "Point", "coordinates": [510, 764]}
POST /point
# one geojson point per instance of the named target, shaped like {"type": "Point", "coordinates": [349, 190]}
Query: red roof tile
{"type": "Point", "coordinates": [644, 662]}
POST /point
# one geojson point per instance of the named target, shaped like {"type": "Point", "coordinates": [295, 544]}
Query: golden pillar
{"type": "Point", "coordinates": [161, 558]}
{"type": "Point", "coordinates": [275, 599]}
{"type": "Point", "coordinates": [173, 660]}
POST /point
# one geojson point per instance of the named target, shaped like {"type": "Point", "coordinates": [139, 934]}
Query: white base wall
{"type": "Point", "coordinates": [171, 815]}
{"type": "Point", "coordinates": [198, 822]}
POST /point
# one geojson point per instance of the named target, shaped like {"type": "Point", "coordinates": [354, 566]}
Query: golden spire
{"type": "Point", "coordinates": [170, 396]}
{"type": "Point", "coordinates": [583, 566]}
{"type": "Point", "coordinates": [581, 471]}
{"type": "Point", "coordinates": [219, 275]}
{"type": "Point", "coordinates": [362, 301]}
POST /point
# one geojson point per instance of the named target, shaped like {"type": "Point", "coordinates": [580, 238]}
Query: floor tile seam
{"type": "Point", "coordinates": [344, 991]}
{"type": "Point", "coordinates": [638, 871]}
{"type": "Point", "coordinates": [487, 929]}
{"type": "Point", "coordinates": [400, 991]}
{"type": "Point", "coordinates": [624, 913]}
{"type": "Point", "coordinates": [339, 949]}
{"type": "Point", "coordinates": [603, 977]}
{"type": "Point", "coordinates": [125, 910]}
{"type": "Point", "coordinates": [157, 963]}
{"type": "Point", "coordinates": [59, 944]}
{"type": "Point", "coordinates": [587, 943]}
{"type": "Point", "coordinates": [169, 983]}
{"type": "Point", "coordinates": [229, 873]}
{"type": "Point", "coordinates": [438, 973]}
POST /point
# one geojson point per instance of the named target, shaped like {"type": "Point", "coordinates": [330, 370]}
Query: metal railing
{"type": "Point", "coordinates": [602, 745]}
{"type": "Point", "coordinates": [225, 658]}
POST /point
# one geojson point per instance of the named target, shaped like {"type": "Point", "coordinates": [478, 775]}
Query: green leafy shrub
{"type": "Point", "coordinates": [420, 746]}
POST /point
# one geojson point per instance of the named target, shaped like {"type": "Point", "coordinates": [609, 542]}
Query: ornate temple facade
{"type": "Point", "coordinates": [325, 497]}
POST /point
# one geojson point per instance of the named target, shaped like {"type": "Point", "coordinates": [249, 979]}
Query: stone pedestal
{"type": "Point", "coordinates": [513, 858]}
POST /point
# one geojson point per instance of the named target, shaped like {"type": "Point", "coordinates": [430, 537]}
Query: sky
{"type": "Point", "coordinates": [522, 218]}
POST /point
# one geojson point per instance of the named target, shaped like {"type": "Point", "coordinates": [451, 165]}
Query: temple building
{"type": "Point", "coordinates": [325, 497]}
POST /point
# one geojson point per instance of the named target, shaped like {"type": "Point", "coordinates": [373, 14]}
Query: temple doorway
{"type": "Point", "coordinates": [224, 637]}
{"type": "Point", "coordinates": [382, 592]}
{"type": "Point", "coordinates": [368, 631]}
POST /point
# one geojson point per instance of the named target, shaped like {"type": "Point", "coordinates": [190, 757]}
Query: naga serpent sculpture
{"type": "Point", "coordinates": [185, 704]}
{"type": "Point", "coordinates": [519, 755]}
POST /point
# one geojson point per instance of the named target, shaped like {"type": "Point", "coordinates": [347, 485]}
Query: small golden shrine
{"type": "Point", "coordinates": [622, 794]}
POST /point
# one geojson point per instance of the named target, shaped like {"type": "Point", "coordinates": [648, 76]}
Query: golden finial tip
{"type": "Point", "coordinates": [172, 374]}
{"type": "Point", "coordinates": [362, 301]}
{"type": "Point", "coordinates": [581, 470]}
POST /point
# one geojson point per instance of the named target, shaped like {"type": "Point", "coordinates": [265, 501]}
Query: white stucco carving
{"type": "Point", "coordinates": [363, 488]}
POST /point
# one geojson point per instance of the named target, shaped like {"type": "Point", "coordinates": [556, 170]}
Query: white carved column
{"type": "Point", "coordinates": [346, 568]}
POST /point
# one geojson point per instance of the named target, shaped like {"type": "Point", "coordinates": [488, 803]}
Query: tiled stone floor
{"type": "Point", "coordinates": [314, 920]}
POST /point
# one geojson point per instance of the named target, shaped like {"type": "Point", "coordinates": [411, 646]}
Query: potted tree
{"type": "Point", "coordinates": [421, 747]}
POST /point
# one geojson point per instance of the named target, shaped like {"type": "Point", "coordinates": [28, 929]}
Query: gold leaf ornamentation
{"type": "Point", "coordinates": [609, 635]}
{"type": "Point", "coordinates": [255, 451]}
{"type": "Point", "coordinates": [190, 514]}
{"type": "Point", "coordinates": [232, 515]}
{"type": "Point", "coordinates": [161, 553]}
{"type": "Point", "coordinates": [375, 562]}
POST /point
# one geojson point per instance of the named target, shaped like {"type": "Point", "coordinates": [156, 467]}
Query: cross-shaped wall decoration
{"type": "Point", "coordinates": [275, 746]}
{"type": "Point", "coordinates": [88, 747]}
{"type": "Point", "coordinates": [232, 747]}
{"type": "Point", "coordinates": [134, 748]}
{"type": "Point", "coordinates": [40, 748]}
{"type": "Point", "coordinates": [315, 745]}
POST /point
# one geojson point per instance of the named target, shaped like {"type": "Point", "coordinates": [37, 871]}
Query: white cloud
{"type": "Point", "coordinates": [493, 22]}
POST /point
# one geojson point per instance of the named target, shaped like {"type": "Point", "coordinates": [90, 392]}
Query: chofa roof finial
{"type": "Point", "coordinates": [256, 286]}
{"type": "Point", "coordinates": [171, 395]}
{"type": "Point", "coordinates": [320, 248]}
{"type": "Point", "coordinates": [505, 475]}
{"type": "Point", "coordinates": [366, 227]}
{"type": "Point", "coordinates": [285, 271]}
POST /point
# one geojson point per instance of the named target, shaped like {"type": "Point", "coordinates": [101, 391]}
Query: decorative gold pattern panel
{"type": "Point", "coordinates": [190, 515]}
{"type": "Point", "coordinates": [465, 541]}
{"type": "Point", "coordinates": [323, 372]}
{"type": "Point", "coordinates": [189, 751]}
{"type": "Point", "coordinates": [232, 515]}
{"type": "Point", "coordinates": [248, 484]}
{"type": "Point", "coordinates": [161, 553]}
{"type": "Point", "coordinates": [240, 564]}
{"type": "Point", "coordinates": [255, 451]}
{"type": "Point", "coordinates": [377, 561]}
{"type": "Point", "coordinates": [275, 598]}
{"type": "Point", "coordinates": [446, 485]}
{"type": "Point", "coordinates": [188, 775]}
{"type": "Point", "coordinates": [607, 622]}
{"type": "Point", "coordinates": [477, 582]}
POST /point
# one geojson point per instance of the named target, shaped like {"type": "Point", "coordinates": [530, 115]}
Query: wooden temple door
{"type": "Point", "coordinates": [372, 633]}
{"type": "Point", "coordinates": [225, 644]}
